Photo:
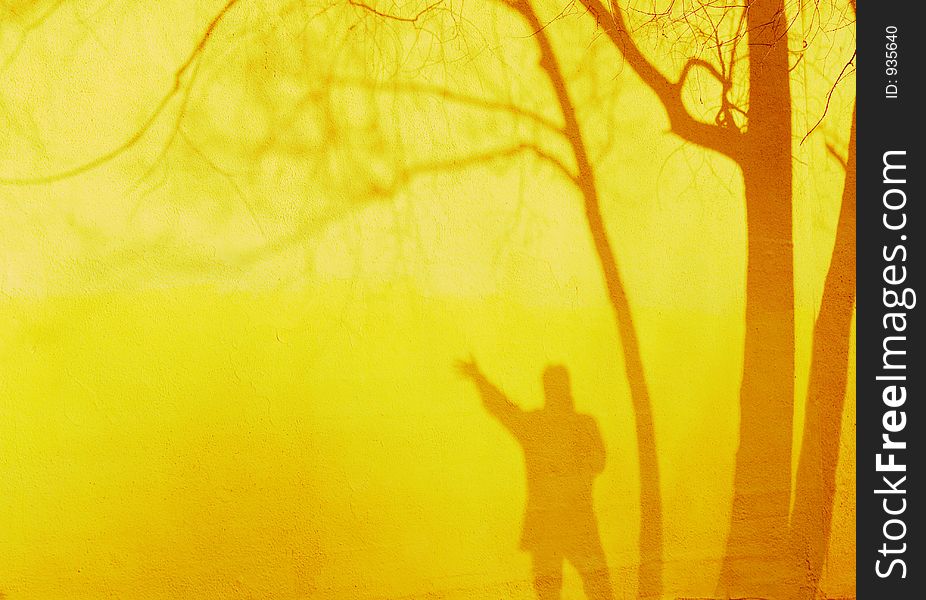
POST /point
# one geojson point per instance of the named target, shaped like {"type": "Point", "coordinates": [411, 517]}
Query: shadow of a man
{"type": "Point", "coordinates": [563, 453]}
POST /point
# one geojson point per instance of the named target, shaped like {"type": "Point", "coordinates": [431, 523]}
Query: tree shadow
{"type": "Point", "coordinates": [563, 454]}
{"type": "Point", "coordinates": [815, 494]}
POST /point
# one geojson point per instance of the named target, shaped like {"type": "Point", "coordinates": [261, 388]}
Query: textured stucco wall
{"type": "Point", "coordinates": [227, 355]}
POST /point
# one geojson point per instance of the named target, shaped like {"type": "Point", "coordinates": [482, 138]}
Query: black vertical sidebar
{"type": "Point", "coordinates": [890, 365]}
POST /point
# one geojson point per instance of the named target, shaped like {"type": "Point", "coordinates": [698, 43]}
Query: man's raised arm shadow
{"type": "Point", "coordinates": [563, 453]}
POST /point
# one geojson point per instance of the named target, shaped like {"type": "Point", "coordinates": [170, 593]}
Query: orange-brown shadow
{"type": "Point", "coordinates": [563, 453]}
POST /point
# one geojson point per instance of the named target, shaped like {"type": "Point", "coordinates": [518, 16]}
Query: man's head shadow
{"type": "Point", "coordinates": [557, 389]}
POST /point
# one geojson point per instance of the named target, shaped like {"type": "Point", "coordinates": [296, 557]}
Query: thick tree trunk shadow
{"type": "Point", "coordinates": [812, 518]}
{"type": "Point", "coordinates": [756, 557]}
{"type": "Point", "coordinates": [759, 559]}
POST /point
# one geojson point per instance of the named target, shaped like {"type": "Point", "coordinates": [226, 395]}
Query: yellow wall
{"type": "Point", "coordinates": [226, 355]}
